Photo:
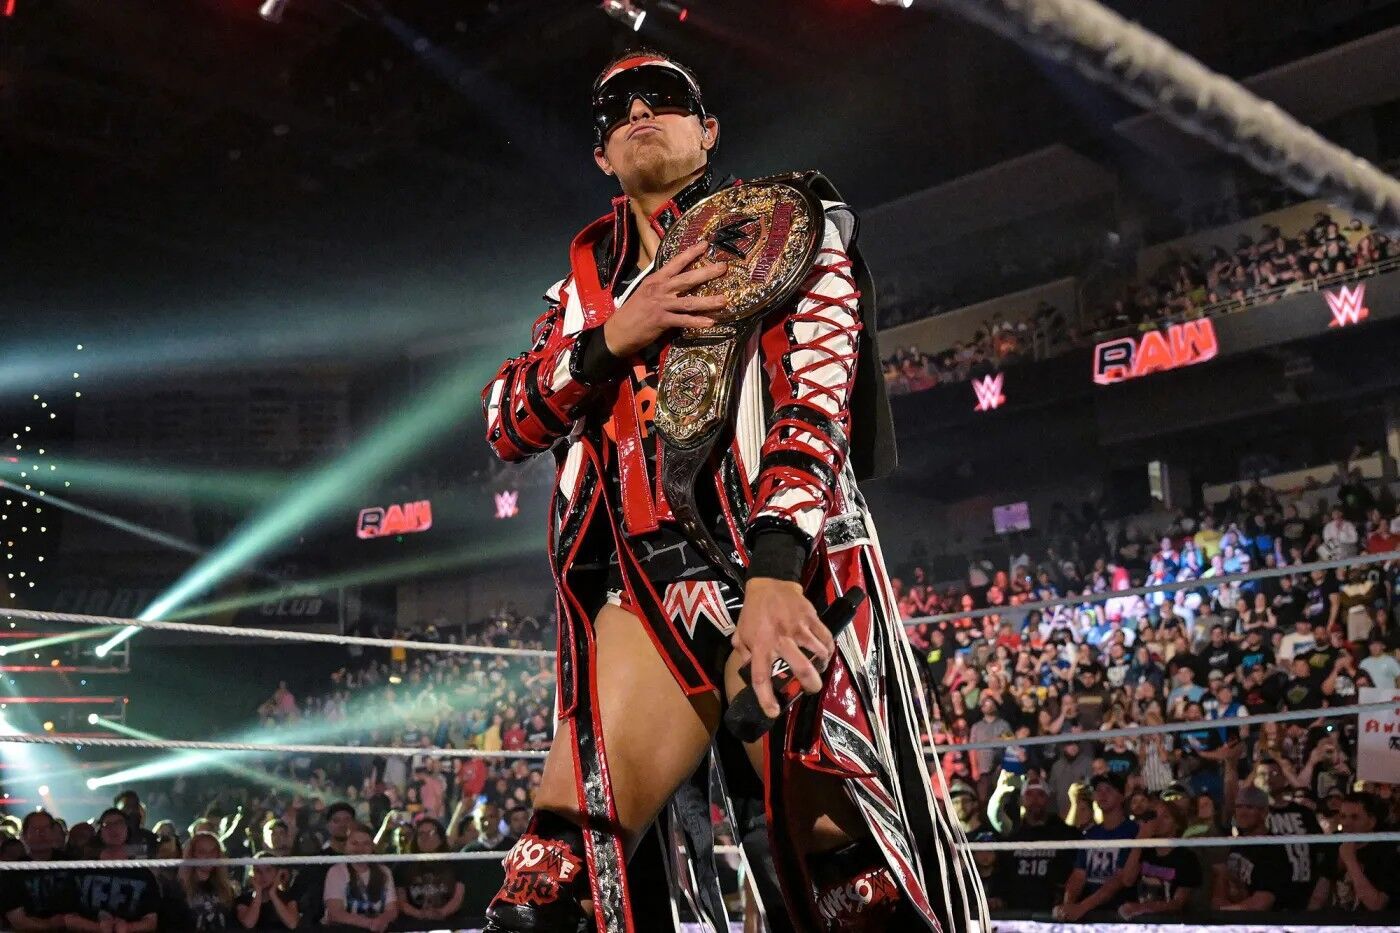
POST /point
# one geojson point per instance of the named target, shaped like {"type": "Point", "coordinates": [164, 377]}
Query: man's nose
{"type": "Point", "coordinates": [640, 110]}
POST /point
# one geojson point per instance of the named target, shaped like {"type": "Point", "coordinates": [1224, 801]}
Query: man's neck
{"type": "Point", "coordinates": [1112, 819]}
{"type": "Point", "coordinates": [644, 204]}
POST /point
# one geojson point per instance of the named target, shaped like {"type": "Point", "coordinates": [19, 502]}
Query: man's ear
{"type": "Point", "coordinates": [709, 129]}
{"type": "Point", "coordinates": [602, 161]}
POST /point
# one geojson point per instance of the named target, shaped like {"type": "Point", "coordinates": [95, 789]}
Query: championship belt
{"type": "Point", "coordinates": [768, 231]}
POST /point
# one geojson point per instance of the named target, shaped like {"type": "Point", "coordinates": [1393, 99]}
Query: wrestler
{"type": "Point", "coordinates": [654, 627]}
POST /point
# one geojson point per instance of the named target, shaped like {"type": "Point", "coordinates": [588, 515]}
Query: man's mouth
{"type": "Point", "coordinates": [642, 128]}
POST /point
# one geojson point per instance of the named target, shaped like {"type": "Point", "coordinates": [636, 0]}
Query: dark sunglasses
{"type": "Point", "coordinates": [661, 89]}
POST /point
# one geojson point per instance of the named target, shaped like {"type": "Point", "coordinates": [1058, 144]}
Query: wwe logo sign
{"type": "Point", "coordinates": [507, 504]}
{"type": "Point", "coordinates": [988, 392]}
{"type": "Point", "coordinates": [1348, 305]}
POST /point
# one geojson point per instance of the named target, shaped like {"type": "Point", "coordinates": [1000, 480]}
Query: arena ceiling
{"type": "Point", "coordinates": [174, 156]}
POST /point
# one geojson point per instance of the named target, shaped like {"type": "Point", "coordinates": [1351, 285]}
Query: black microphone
{"type": "Point", "coordinates": [745, 718]}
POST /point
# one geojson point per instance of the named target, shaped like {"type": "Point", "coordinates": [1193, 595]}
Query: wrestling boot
{"type": "Point", "coordinates": [856, 893]}
{"type": "Point", "coordinates": [546, 875]}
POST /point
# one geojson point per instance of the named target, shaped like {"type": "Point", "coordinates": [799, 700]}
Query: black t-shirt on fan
{"type": "Point", "coordinates": [1029, 878]}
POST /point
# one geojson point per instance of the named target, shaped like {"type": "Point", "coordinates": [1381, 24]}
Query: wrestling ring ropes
{"type": "Point", "coordinates": [1141, 67]}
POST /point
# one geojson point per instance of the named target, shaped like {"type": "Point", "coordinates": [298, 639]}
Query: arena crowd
{"type": "Point", "coordinates": [1200, 654]}
{"type": "Point", "coordinates": [1190, 284]}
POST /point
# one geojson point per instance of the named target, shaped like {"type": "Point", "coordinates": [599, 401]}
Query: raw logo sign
{"type": "Point", "coordinates": [1156, 351]}
{"type": "Point", "coordinates": [379, 522]}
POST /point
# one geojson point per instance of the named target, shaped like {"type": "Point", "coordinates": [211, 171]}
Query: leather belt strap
{"type": "Point", "coordinates": [703, 368]}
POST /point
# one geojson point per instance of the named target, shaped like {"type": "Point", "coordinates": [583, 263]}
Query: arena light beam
{"type": "Point", "coordinates": [229, 767]}
{"type": "Point", "coordinates": [466, 556]}
{"type": "Point", "coordinates": [50, 640]}
{"type": "Point", "coordinates": [333, 486]}
{"type": "Point", "coordinates": [360, 716]}
{"type": "Point", "coordinates": [156, 482]}
{"type": "Point", "coordinates": [113, 521]}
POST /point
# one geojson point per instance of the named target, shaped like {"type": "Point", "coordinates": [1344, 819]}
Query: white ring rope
{"type": "Point", "coordinates": [1152, 73]}
{"type": "Point", "coordinates": [39, 615]}
{"type": "Point", "coordinates": [38, 738]}
{"type": "Point", "coordinates": [1207, 842]}
{"type": "Point", "coordinates": [1204, 842]}
{"type": "Point", "coordinates": [1199, 725]}
{"type": "Point", "coordinates": [1360, 560]}
{"type": "Point", "coordinates": [268, 748]}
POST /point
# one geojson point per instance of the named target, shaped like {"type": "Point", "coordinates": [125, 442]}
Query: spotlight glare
{"type": "Point", "coordinates": [272, 10]}
{"type": "Point", "coordinates": [625, 12]}
{"type": "Point", "coordinates": [48, 725]}
{"type": "Point", "coordinates": [43, 790]}
{"type": "Point", "coordinates": [92, 719]}
{"type": "Point", "coordinates": [92, 784]}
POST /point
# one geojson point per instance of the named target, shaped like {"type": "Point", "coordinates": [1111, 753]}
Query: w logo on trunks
{"type": "Point", "coordinates": [688, 601]}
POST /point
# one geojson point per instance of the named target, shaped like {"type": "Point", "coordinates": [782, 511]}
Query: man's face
{"type": "Point", "coordinates": [519, 822]}
{"type": "Point", "coordinates": [1270, 777]}
{"type": "Point", "coordinates": [1107, 796]}
{"type": "Point", "coordinates": [277, 836]}
{"type": "Point", "coordinates": [653, 149]}
{"type": "Point", "coordinates": [339, 824]}
{"type": "Point", "coordinates": [39, 834]}
{"type": "Point", "coordinates": [1037, 804]}
{"type": "Point", "coordinates": [113, 831]}
{"type": "Point", "coordinates": [1355, 819]}
{"type": "Point", "coordinates": [1249, 818]}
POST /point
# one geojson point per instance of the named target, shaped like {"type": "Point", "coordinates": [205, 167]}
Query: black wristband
{"type": "Point", "coordinates": [778, 554]}
{"type": "Point", "coordinates": [594, 363]}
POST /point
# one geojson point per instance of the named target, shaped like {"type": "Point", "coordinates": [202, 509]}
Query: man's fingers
{"type": "Point", "coordinates": [820, 652]}
{"type": "Point", "coordinates": [686, 320]}
{"type": "Point", "coordinates": [684, 258]}
{"type": "Point", "coordinates": [698, 304]}
{"type": "Point", "coordinates": [689, 279]}
{"type": "Point", "coordinates": [761, 680]}
{"type": "Point", "coordinates": [823, 633]}
{"type": "Point", "coordinates": [803, 669]}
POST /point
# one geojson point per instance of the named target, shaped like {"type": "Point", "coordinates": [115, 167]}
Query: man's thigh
{"type": "Point", "coordinates": [653, 734]}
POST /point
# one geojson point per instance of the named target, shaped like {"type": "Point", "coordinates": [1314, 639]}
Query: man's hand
{"type": "Point", "coordinates": [659, 304]}
{"type": "Point", "coordinates": [1070, 913]}
{"type": "Point", "coordinates": [778, 621]}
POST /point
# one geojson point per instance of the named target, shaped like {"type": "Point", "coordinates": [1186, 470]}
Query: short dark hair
{"type": "Point", "coordinates": [29, 818]}
{"type": "Point", "coordinates": [1369, 802]}
{"type": "Point", "coordinates": [338, 807]}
